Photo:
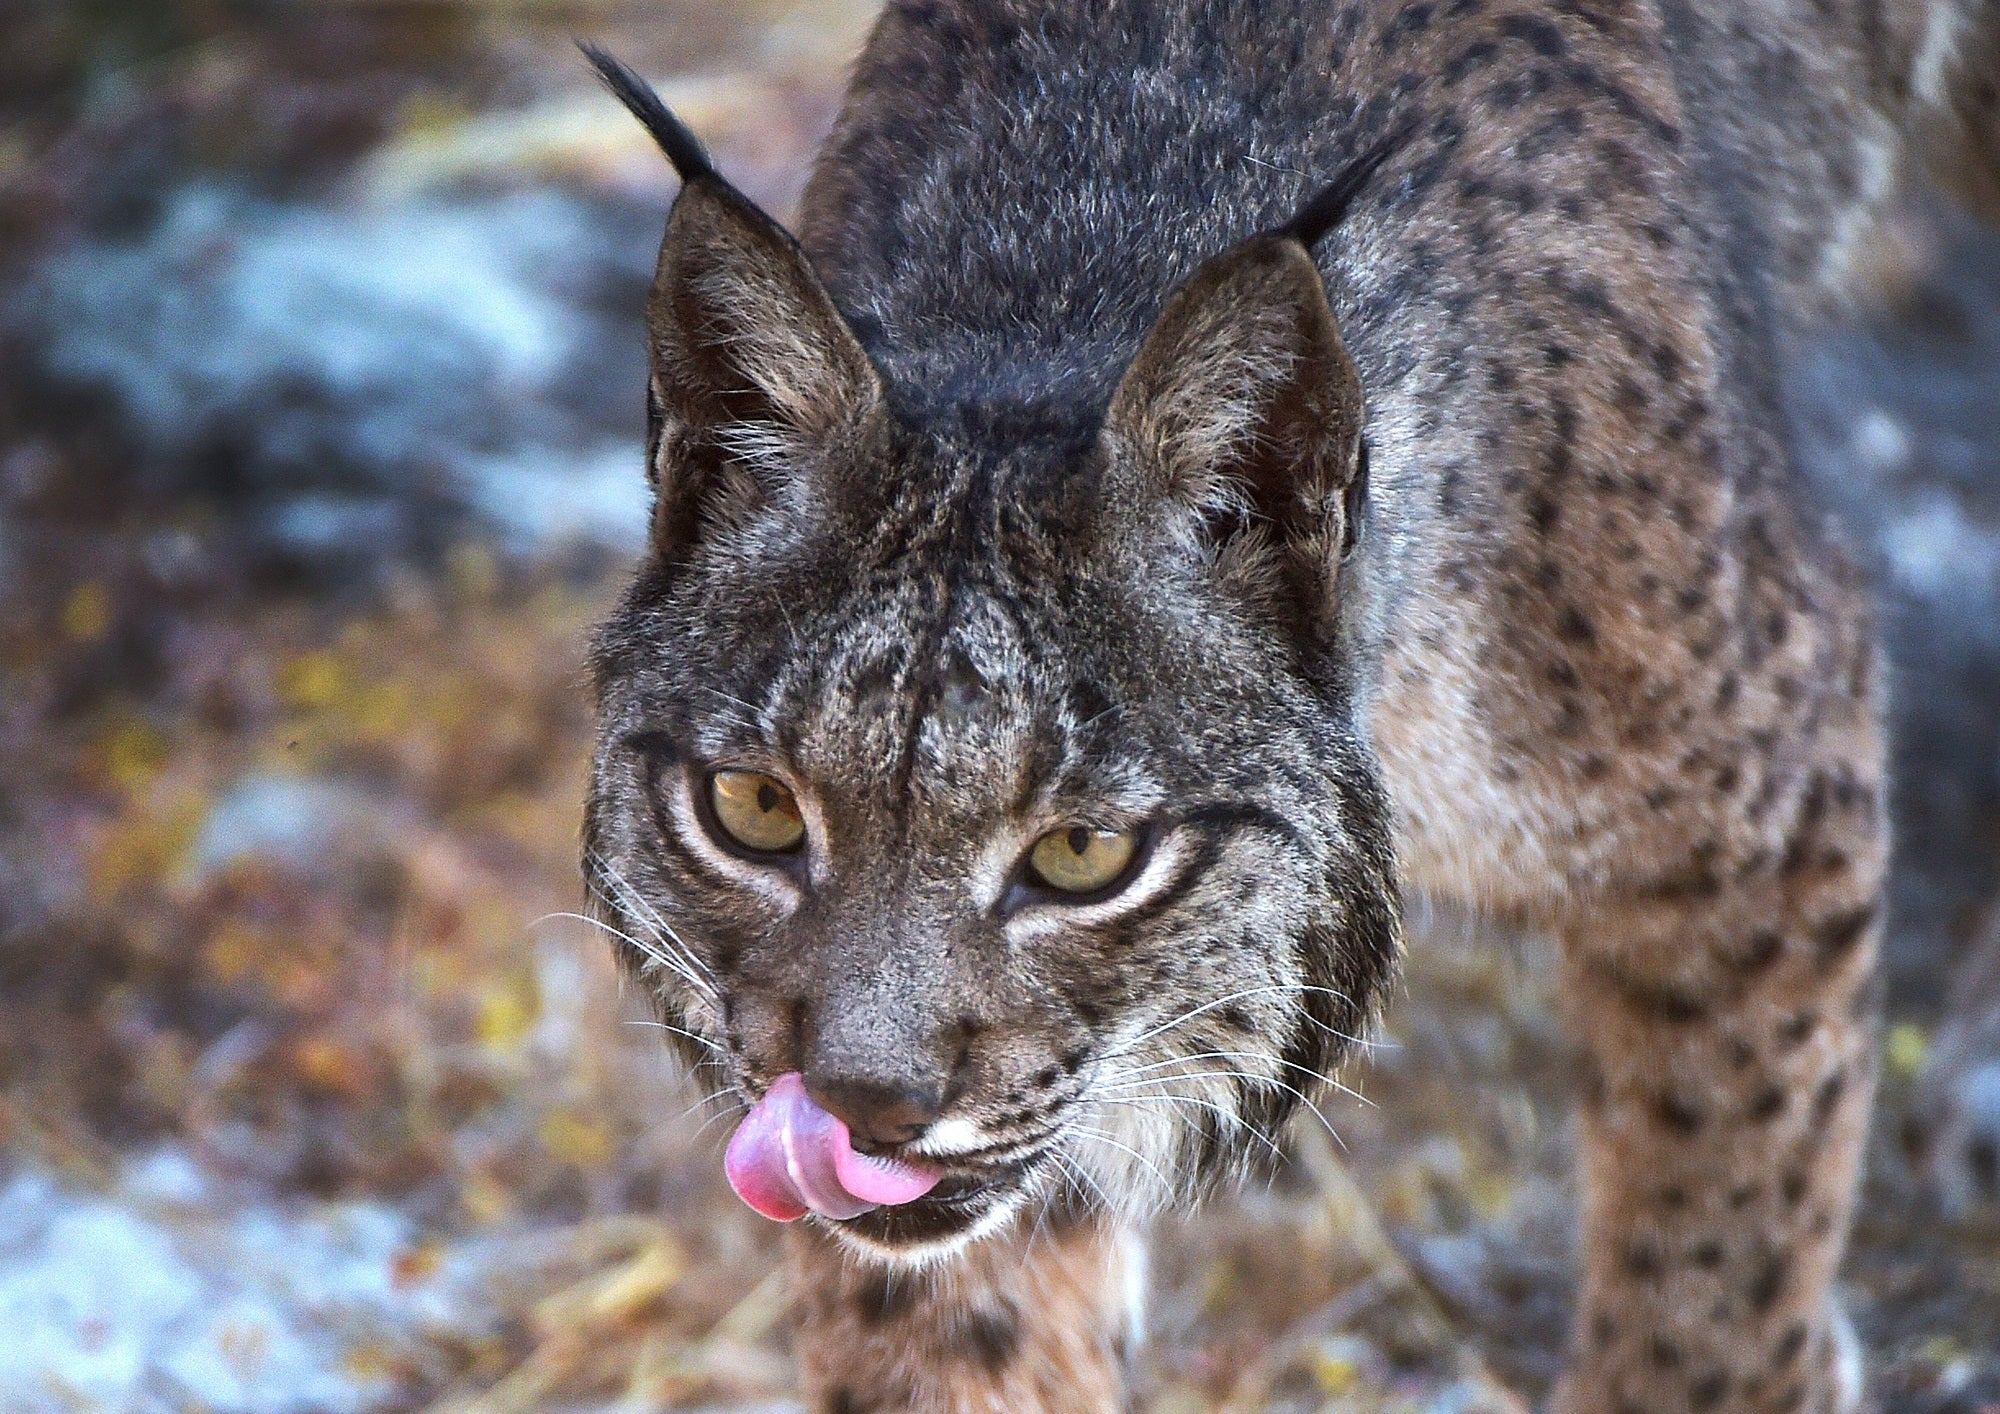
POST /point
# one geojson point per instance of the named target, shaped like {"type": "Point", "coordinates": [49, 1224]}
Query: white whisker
{"type": "Point", "coordinates": [653, 951]}
{"type": "Point", "coordinates": [740, 1107]}
{"type": "Point", "coordinates": [1205, 1007]}
{"type": "Point", "coordinates": [1318, 1078]}
{"type": "Point", "coordinates": [712, 1046]}
{"type": "Point", "coordinates": [1166, 1185]}
{"type": "Point", "coordinates": [1228, 1116]}
{"type": "Point", "coordinates": [682, 960]}
{"type": "Point", "coordinates": [1078, 1171]}
{"type": "Point", "coordinates": [1291, 1090]}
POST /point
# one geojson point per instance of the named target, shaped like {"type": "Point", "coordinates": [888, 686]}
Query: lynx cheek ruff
{"type": "Point", "coordinates": [790, 1157]}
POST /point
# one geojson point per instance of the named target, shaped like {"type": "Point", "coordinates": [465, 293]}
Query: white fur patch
{"type": "Point", "coordinates": [949, 1138]}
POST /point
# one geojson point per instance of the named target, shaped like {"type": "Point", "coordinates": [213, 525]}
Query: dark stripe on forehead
{"type": "Point", "coordinates": [1087, 705]}
{"type": "Point", "coordinates": [1040, 762]}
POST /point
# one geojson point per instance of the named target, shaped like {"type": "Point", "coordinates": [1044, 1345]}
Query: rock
{"type": "Point", "coordinates": [364, 381]}
{"type": "Point", "coordinates": [1957, 1109]}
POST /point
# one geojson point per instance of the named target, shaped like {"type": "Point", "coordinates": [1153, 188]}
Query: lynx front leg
{"type": "Point", "coordinates": [1728, 1026]}
{"type": "Point", "coordinates": [1033, 1321]}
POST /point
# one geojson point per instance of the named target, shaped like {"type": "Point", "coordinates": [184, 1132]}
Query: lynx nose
{"type": "Point", "coordinates": [876, 1114]}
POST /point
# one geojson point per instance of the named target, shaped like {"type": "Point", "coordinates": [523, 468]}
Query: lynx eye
{"type": "Point", "coordinates": [1080, 860]}
{"type": "Point", "coordinates": [756, 811]}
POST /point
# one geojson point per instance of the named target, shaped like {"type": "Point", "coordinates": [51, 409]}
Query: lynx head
{"type": "Point", "coordinates": [987, 761]}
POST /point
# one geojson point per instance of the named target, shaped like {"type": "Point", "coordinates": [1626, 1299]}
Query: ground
{"type": "Point", "coordinates": [318, 457]}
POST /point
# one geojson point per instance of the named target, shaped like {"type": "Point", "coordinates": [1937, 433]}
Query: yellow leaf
{"type": "Point", "coordinates": [329, 1067]}
{"type": "Point", "coordinates": [368, 1362]}
{"type": "Point", "coordinates": [132, 753]}
{"type": "Point", "coordinates": [484, 1199]}
{"type": "Point", "coordinates": [1906, 1050]}
{"type": "Point", "coordinates": [1334, 1374]}
{"type": "Point", "coordinates": [415, 1264]}
{"type": "Point", "coordinates": [312, 681]}
{"type": "Point", "coordinates": [86, 614]}
{"type": "Point", "coordinates": [571, 1138]}
{"type": "Point", "coordinates": [506, 1011]}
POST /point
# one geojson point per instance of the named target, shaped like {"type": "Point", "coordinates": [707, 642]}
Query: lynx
{"type": "Point", "coordinates": [1201, 470]}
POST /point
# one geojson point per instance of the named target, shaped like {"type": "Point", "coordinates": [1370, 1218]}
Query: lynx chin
{"type": "Point", "coordinates": [1199, 470]}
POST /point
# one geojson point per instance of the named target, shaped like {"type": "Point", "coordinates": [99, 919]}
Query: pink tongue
{"type": "Point", "coordinates": [789, 1157]}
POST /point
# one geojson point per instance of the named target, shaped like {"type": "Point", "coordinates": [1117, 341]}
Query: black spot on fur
{"type": "Point", "coordinates": [886, 1296]}
{"type": "Point", "coordinates": [1473, 57]}
{"type": "Point", "coordinates": [1573, 627]}
{"type": "Point", "coordinates": [1794, 1030]}
{"type": "Point", "coordinates": [992, 1337]}
{"type": "Point", "coordinates": [1643, 1262]}
{"type": "Point", "coordinates": [1680, 1115]}
{"type": "Point", "coordinates": [1543, 513]}
{"type": "Point", "coordinates": [1659, 1001]}
{"type": "Point", "coordinates": [1768, 1284]}
{"type": "Point", "coordinates": [1708, 1391]}
{"type": "Point", "coordinates": [1759, 951]}
{"type": "Point", "coordinates": [1544, 38]}
{"type": "Point", "coordinates": [1828, 1098]}
{"type": "Point", "coordinates": [1838, 935]}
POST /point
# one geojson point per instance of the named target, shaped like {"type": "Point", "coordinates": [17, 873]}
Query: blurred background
{"type": "Point", "coordinates": [320, 385]}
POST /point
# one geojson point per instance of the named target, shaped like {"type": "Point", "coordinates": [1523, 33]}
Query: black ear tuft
{"type": "Point", "coordinates": [675, 138]}
{"type": "Point", "coordinates": [1328, 207]}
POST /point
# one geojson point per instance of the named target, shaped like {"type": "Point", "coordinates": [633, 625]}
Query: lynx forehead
{"type": "Point", "coordinates": [1200, 463]}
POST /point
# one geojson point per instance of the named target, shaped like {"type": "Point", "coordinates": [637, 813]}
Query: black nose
{"type": "Point", "coordinates": [876, 1114]}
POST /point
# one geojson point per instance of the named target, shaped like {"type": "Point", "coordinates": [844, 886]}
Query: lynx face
{"type": "Point", "coordinates": [977, 761]}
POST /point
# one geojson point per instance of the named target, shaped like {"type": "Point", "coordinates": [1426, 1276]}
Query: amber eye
{"type": "Point", "coordinates": [1080, 860]}
{"type": "Point", "coordinates": [756, 811]}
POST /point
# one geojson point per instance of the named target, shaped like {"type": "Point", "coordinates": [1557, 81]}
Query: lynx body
{"type": "Point", "coordinates": [1293, 454]}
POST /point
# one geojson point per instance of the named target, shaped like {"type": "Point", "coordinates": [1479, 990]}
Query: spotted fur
{"type": "Point", "coordinates": [1050, 478]}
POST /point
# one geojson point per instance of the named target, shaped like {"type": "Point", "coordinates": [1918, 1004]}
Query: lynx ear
{"type": "Point", "coordinates": [754, 371]}
{"type": "Point", "coordinates": [1243, 391]}
{"type": "Point", "coordinates": [1244, 407]}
